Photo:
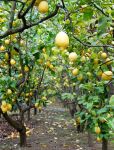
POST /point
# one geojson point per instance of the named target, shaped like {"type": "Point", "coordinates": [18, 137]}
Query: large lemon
{"type": "Point", "coordinates": [62, 40]}
{"type": "Point", "coordinates": [43, 7]}
{"type": "Point", "coordinates": [73, 56]}
{"type": "Point", "coordinates": [75, 72]}
{"type": "Point", "coordinates": [12, 62]}
{"type": "Point", "coordinates": [108, 61]}
{"type": "Point", "coordinates": [97, 130]}
{"type": "Point", "coordinates": [107, 75]}
{"type": "Point", "coordinates": [80, 77]}
{"type": "Point", "coordinates": [104, 55]}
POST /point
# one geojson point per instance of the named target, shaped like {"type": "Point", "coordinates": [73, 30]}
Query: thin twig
{"type": "Point", "coordinates": [12, 15]}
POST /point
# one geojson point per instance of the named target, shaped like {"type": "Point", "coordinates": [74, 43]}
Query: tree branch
{"type": "Point", "coordinates": [63, 3]}
{"type": "Point", "coordinates": [21, 29]}
{"type": "Point", "coordinates": [28, 8]}
{"type": "Point", "coordinates": [87, 45]}
{"type": "Point", "coordinates": [12, 15]}
{"type": "Point", "coordinates": [100, 9]}
{"type": "Point", "coordinates": [16, 124]}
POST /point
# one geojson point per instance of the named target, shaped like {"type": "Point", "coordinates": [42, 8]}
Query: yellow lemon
{"type": "Point", "coordinates": [107, 75]}
{"type": "Point", "coordinates": [9, 91]}
{"type": "Point", "coordinates": [97, 130]}
{"type": "Point", "coordinates": [73, 56]}
{"type": "Point", "coordinates": [26, 69]}
{"type": "Point", "coordinates": [7, 42]}
{"type": "Point", "coordinates": [108, 61]}
{"type": "Point", "coordinates": [104, 55]}
{"type": "Point", "coordinates": [43, 7]}
{"type": "Point", "coordinates": [62, 40]}
{"type": "Point", "coordinates": [9, 107]}
{"type": "Point", "coordinates": [12, 62]}
{"type": "Point", "coordinates": [75, 72]}
{"type": "Point", "coordinates": [2, 48]}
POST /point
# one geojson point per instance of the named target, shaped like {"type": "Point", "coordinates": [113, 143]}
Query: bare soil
{"type": "Point", "coordinates": [52, 129]}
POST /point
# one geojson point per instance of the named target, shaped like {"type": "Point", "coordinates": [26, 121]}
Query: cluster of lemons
{"type": "Point", "coordinates": [13, 52]}
{"type": "Point", "coordinates": [62, 41]}
{"type": "Point", "coordinates": [98, 131]}
{"type": "Point", "coordinates": [6, 107]}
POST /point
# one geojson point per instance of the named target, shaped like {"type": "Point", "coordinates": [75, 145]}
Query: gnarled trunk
{"type": "Point", "coordinates": [104, 144]}
{"type": "Point", "coordinates": [17, 125]}
{"type": "Point", "coordinates": [22, 134]}
{"type": "Point", "coordinates": [28, 115]}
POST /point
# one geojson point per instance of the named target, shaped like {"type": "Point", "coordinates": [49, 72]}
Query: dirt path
{"type": "Point", "coordinates": [52, 129]}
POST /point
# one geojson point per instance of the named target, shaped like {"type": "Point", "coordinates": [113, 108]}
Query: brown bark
{"type": "Point", "coordinates": [29, 25]}
{"type": "Point", "coordinates": [90, 140]}
{"type": "Point", "coordinates": [104, 144]}
{"type": "Point", "coordinates": [22, 134]}
{"type": "Point", "coordinates": [17, 125]}
{"type": "Point", "coordinates": [28, 115]}
{"type": "Point", "coordinates": [35, 111]}
{"type": "Point", "coordinates": [72, 108]}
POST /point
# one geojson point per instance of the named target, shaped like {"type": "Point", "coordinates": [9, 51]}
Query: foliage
{"type": "Point", "coordinates": [33, 68]}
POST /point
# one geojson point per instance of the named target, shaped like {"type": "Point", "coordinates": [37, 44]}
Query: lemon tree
{"type": "Point", "coordinates": [68, 44]}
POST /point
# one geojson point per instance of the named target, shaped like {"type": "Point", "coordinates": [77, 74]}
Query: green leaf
{"type": "Point", "coordinates": [67, 96]}
{"type": "Point", "coordinates": [36, 55]}
{"type": "Point", "coordinates": [102, 25]}
{"type": "Point", "coordinates": [102, 110]}
{"type": "Point", "coordinates": [88, 13]}
{"type": "Point", "coordinates": [111, 102]}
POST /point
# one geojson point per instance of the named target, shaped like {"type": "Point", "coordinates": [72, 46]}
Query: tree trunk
{"type": "Point", "coordinates": [22, 134]}
{"type": "Point", "coordinates": [28, 115]}
{"type": "Point", "coordinates": [104, 144]}
{"type": "Point", "coordinates": [17, 125]}
{"type": "Point", "coordinates": [90, 140]}
{"type": "Point", "coordinates": [35, 111]}
{"type": "Point", "coordinates": [72, 108]}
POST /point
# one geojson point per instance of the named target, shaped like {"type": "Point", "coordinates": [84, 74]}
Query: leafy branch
{"type": "Point", "coordinates": [29, 25]}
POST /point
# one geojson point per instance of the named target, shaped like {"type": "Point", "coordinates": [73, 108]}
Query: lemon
{"type": "Point", "coordinates": [75, 72]}
{"type": "Point", "coordinates": [73, 56]}
{"type": "Point", "coordinates": [9, 91]}
{"type": "Point", "coordinates": [107, 75]}
{"type": "Point", "coordinates": [108, 61]}
{"type": "Point", "coordinates": [9, 107]}
{"type": "Point", "coordinates": [7, 42]}
{"type": "Point", "coordinates": [99, 139]}
{"type": "Point", "coordinates": [26, 69]}
{"type": "Point", "coordinates": [103, 55]}
{"type": "Point", "coordinates": [97, 130]}
{"type": "Point", "coordinates": [6, 56]}
{"type": "Point", "coordinates": [12, 62]}
{"type": "Point", "coordinates": [2, 48]}
{"type": "Point", "coordinates": [62, 40]}
{"type": "Point", "coordinates": [43, 7]}
{"type": "Point", "coordinates": [4, 109]}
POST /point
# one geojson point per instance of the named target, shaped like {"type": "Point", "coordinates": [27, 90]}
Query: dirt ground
{"type": "Point", "coordinates": [52, 129]}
